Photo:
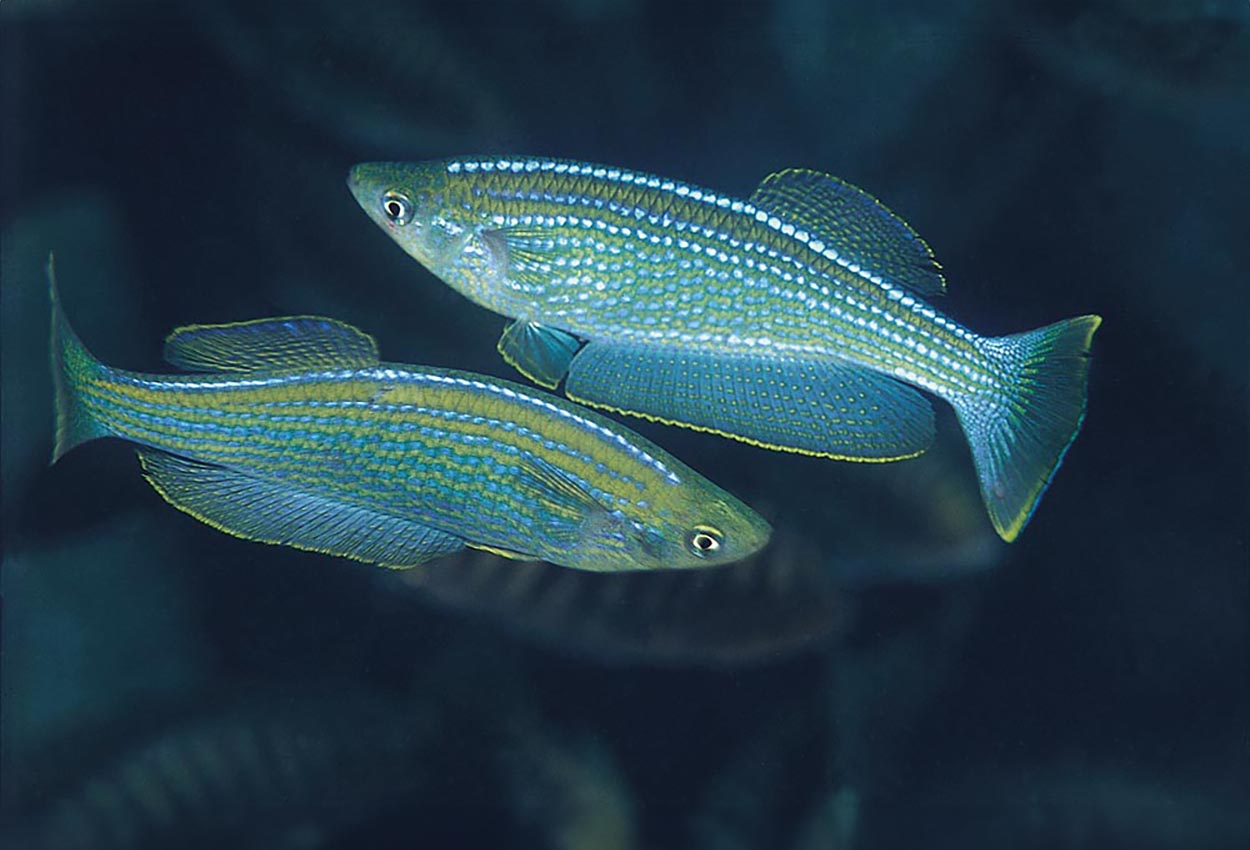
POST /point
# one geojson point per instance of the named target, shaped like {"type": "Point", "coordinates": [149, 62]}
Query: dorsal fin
{"type": "Point", "coordinates": [860, 229]}
{"type": "Point", "coordinates": [289, 342]}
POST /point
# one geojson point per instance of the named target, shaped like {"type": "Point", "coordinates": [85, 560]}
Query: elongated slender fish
{"type": "Point", "coordinates": [298, 435]}
{"type": "Point", "coordinates": [794, 320]}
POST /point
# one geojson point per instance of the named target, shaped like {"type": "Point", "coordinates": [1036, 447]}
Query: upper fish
{"type": "Point", "coordinates": [795, 320]}
{"type": "Point", "coordinates": [291, 431]}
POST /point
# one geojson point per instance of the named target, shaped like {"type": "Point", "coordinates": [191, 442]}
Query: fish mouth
{"type": "Point", "coordinates": [758, 539]}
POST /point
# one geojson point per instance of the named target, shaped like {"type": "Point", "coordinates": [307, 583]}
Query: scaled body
{"type": "Point", "coordinates": [302, 437]}
{"type": "Point", "coordinates": [795, 320]}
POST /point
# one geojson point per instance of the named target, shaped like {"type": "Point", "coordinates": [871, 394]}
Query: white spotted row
{"type": "Point", "coordinates": [616, 175]}
{"type": "Point", "coordinates": [892, 292]}
{"type": "Point", "coordinates": [867, 308]}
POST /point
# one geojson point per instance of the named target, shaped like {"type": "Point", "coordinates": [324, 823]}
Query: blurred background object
{"type": "Point", "coordinates": [287, 770]}
{"type": "Point", "coordinates": [887, 674]}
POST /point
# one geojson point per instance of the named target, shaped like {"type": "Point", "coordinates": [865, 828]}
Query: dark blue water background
{"type": "Point", "coordinates": [1088, 686]}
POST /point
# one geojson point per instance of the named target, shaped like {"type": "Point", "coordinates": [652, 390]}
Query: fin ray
{"type": "Point", "coordinates": [269, 512]}
{"type": "Point", "coordinates": [813, 407]}
{"type": "Point", "coordinates": [861, 229]}
{"type": "Point", "coordinates": [525, 254]}
{"type": "Point", "coordinates": [1019, 439]}
{"type": "Point", "coordinates": [288, 342]}
{"type": "Point", "coordinates": [540, 353]}
{"type": "Point", "coordinates": [570, 505]}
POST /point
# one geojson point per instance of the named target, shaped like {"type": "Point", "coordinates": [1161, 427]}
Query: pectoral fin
{"type": "Point", "coordinates": [527, 255]}
{"type": "Point", "coordinates": [813, 407]}
{"type": "Point", "coordinates": [571, 508]}
{"type": "Point", "coordinates": [272, 512]}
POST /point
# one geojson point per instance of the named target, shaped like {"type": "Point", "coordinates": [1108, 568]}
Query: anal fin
{"type": "Point", "coordinates": [270, 512]}
{"type": "Point", "coordinates": [813, 407]}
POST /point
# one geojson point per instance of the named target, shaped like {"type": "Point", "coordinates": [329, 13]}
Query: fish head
{"type": "Point", "coordinates": [712, 527]}
{"type": "Point", "coordinates": [410, 201]}
{"type": "Point", "coordinates": [702, 527]}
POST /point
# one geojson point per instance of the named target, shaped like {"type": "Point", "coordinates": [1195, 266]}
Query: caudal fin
{"type": "Point", "coordinates": [72, 367]}
{"type": "Point", "coordinates": [1020, 436]}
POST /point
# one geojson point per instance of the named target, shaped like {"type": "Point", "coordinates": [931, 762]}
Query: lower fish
{"type": "Point", "coordinates": [291, 431]}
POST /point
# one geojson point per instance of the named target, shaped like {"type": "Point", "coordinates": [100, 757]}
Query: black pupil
{"type": "Point", "coordinates": [394, 208]}
{"type": "Point", "coordinates": [704, 542]}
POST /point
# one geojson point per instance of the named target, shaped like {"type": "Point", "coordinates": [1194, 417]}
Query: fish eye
{"type": "Point", "coordinates": [396, 207]}
{"type": "Point", "coordinates": [704, 540]}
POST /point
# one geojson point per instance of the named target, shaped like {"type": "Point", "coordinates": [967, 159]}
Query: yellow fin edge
{"type": "Point", "coordinates": [503, 553]}
{"type": "Point", "coordinates": [511, 361]}
{"type": "Point", "coordinates": [748, 440]}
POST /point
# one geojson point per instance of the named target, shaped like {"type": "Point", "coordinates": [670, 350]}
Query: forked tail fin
{"type": "Point", "coordinates": [72, 367]}
{"type": "Point", "coordinates": [1019, 437]}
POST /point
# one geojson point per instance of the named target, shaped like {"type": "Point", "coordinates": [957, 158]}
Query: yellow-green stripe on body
{"type": "Point", "coordinates": [390, 449]}
{"type": "Point", "coordinates": [425, 443]}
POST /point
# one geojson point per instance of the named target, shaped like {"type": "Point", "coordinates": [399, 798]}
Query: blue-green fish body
{"type": "Point", "coordinates": [795, 320]}
{"type": "Point", "coordinates": [291, 431]}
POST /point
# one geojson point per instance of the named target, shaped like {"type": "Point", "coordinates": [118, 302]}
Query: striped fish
{"type": "Point", "coordinates": [294, 433]}
{"type": "Point", "coordinates": [795, 320]}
